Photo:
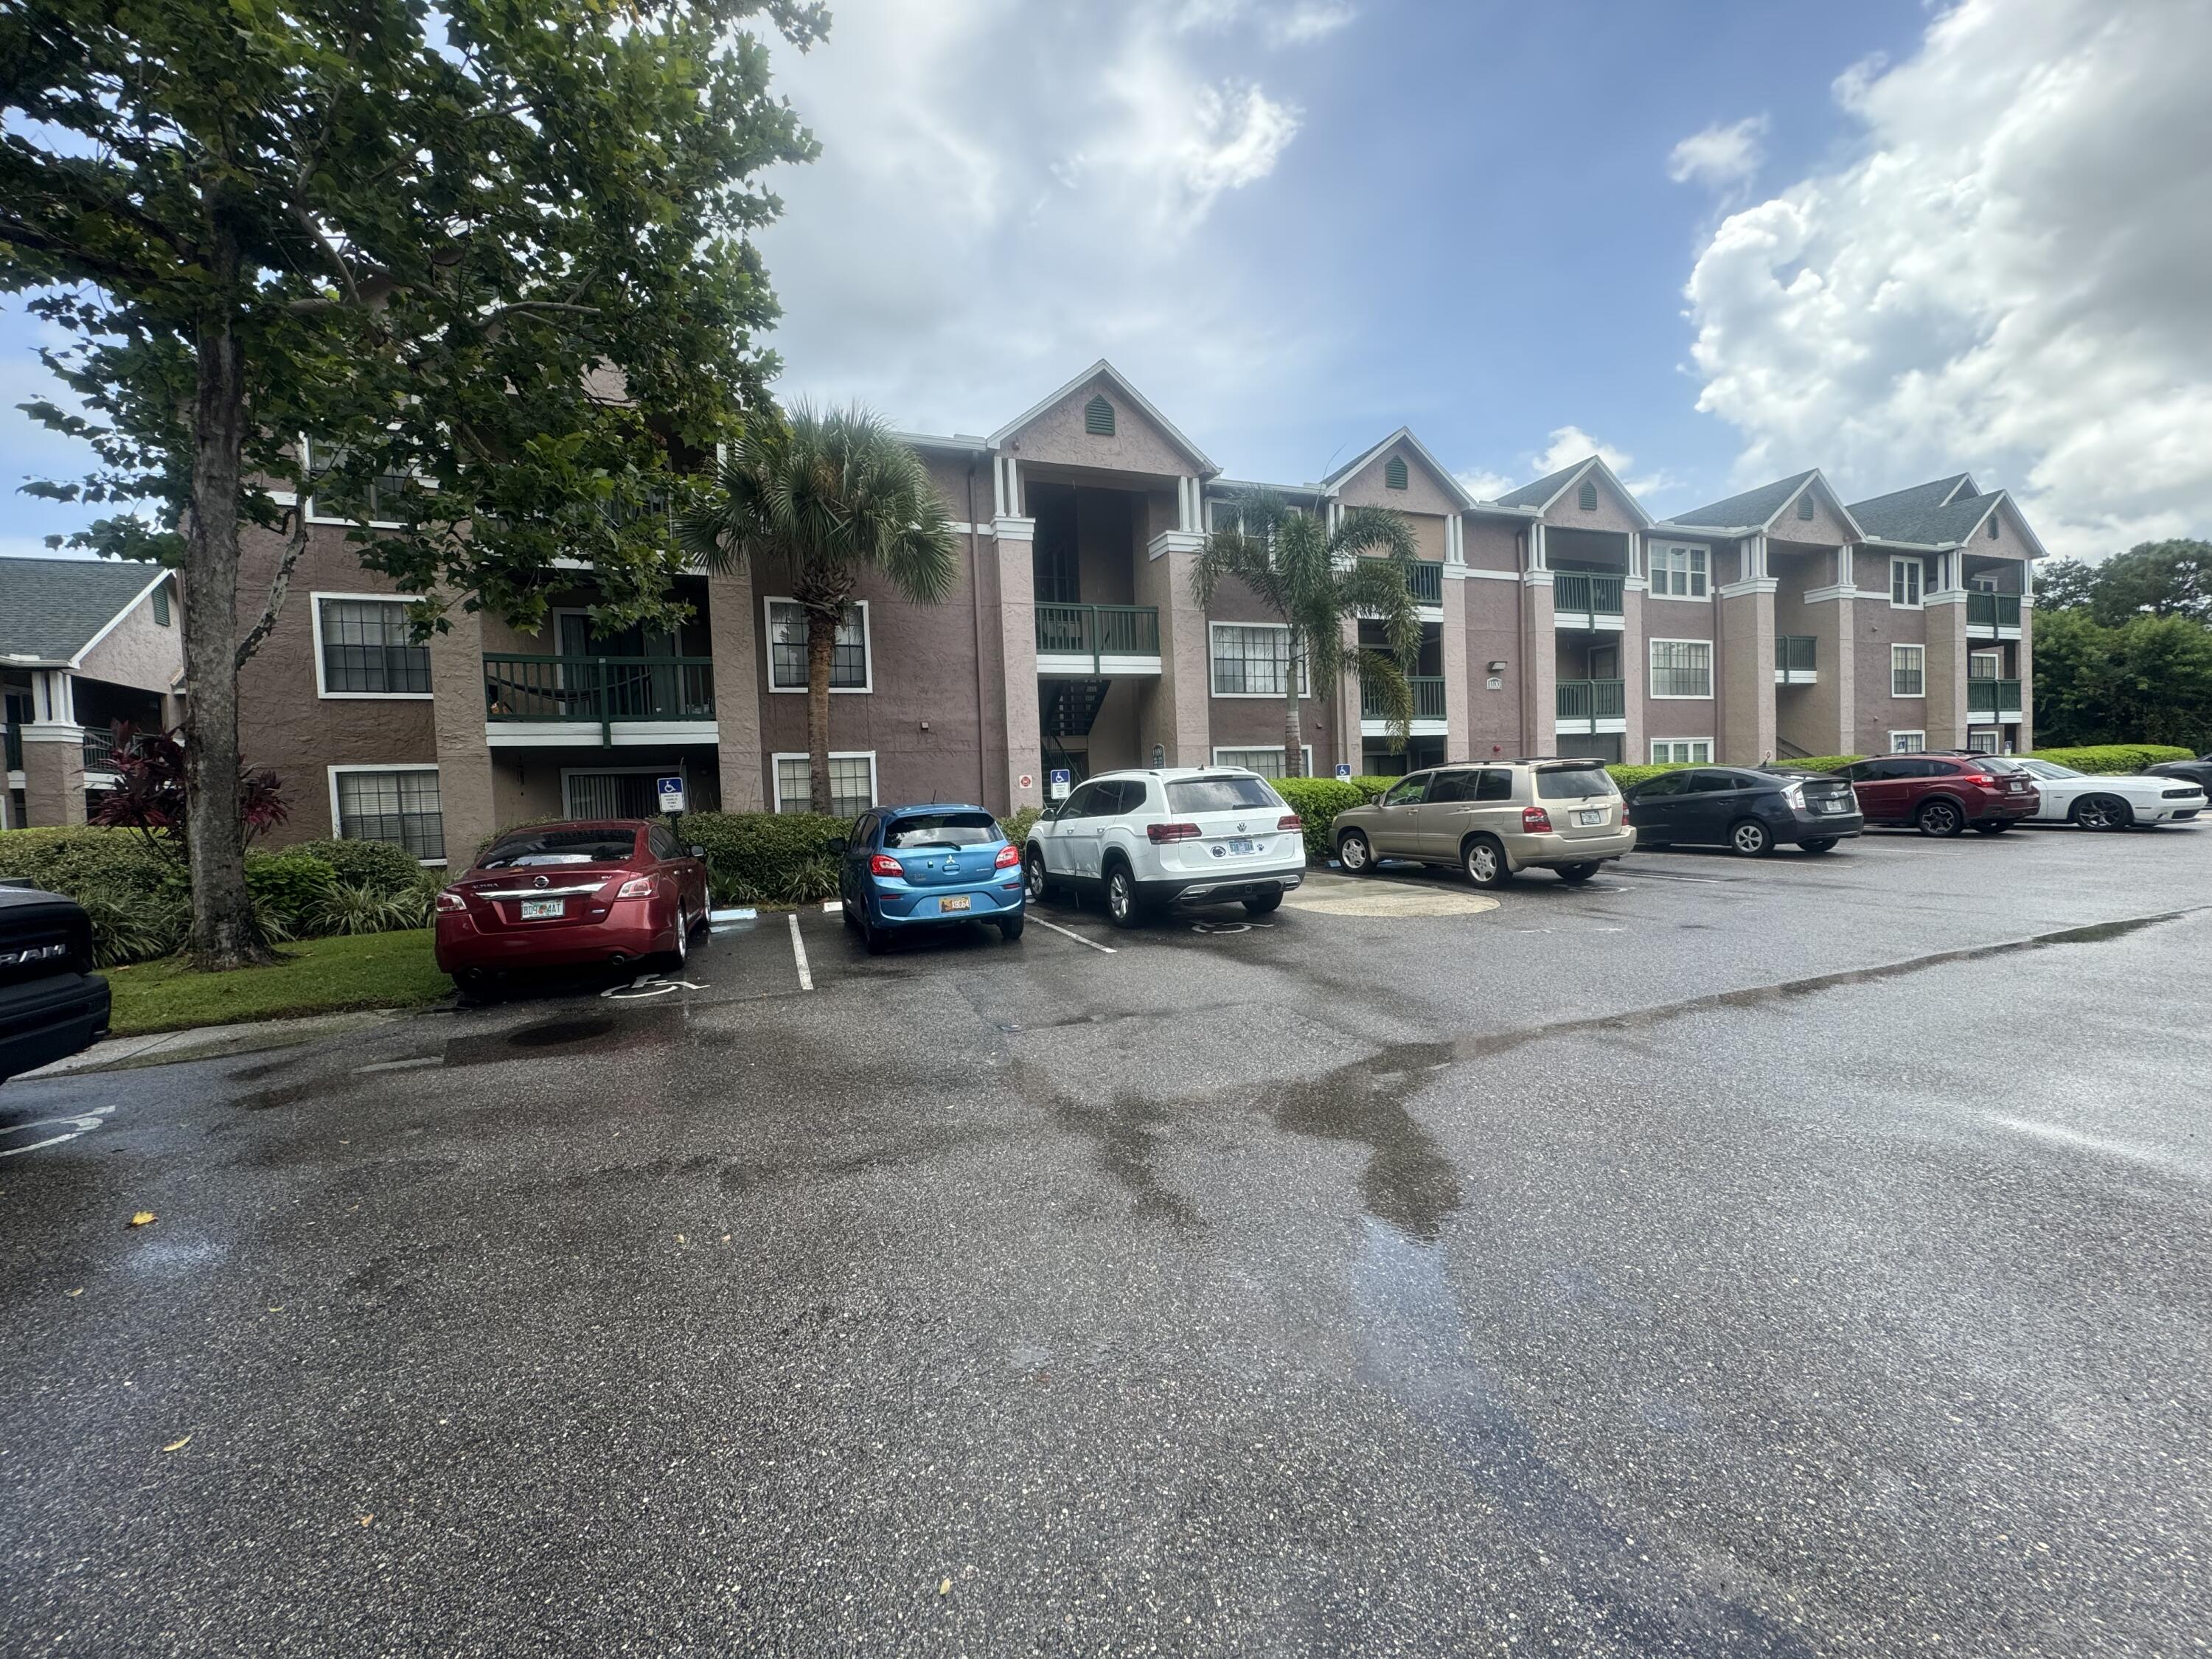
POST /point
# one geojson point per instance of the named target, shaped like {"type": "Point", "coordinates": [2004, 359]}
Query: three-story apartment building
{"type": "Point", "coordinates": [1561, 618]}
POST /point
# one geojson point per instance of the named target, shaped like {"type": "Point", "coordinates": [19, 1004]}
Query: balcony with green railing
{"type": "Point", "coordinates": [1796, 659]}
{"type": "Point", "coordinates": [1428, 691]}
{"type": "Point", "coordinates": [1579, 705]}
{"type": "Point", "coordinates": [601, 691]}
{"type": "Point", "coordinates": [1988, 613]}
{"type": "Point", "coordinates": [1427, 583]}
{"type": "Point", "coordinates": [1098, 632]}
{"type": "Point", "coordinates": [1993, 697]}
{"type": "Point", "coordinates": [1586, 598]}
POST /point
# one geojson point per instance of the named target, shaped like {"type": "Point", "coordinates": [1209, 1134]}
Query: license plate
{"type": "Point", "coordinates": [954, 902]}
{"type": "Point", "coordinates": [1238, 844]}
{"type": "Point", "coordinates": [533, 910]}
{"type": "Point", "coordinates": [1831, 806]}
{"type": "Point", "coordinates": [1588, 818]}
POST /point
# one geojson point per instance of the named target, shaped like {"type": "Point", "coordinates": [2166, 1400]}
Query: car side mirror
{"type": "Point", "coordinates": [834, 844]}
{"type": "Point", "coordinates": [698, 851]}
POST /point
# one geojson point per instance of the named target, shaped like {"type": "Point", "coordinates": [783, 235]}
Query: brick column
{"type": "Point", "coordinates": [1635, 657]}
{"type": "Point", "coordinates": [2026, 658]}
{"type": "Point", "coordinates": [734, 623]}
{"type": "Point", "coordinates": [1945, 665]}
{"type": "Point", "coordinates": [1539, 674]}
{"type": "Point", "coordinates": [1181, 720]}
{"type": "Point", "coordinates": [1458, 691]}
{"type": "Point", "coordinates": [1016, 579]}
{"type": "Point", "coordinates": [457, 685]}
{"type": "Point", "coordinates": [53, 752]}
{"type": "Point", "coordinates": [1745, 629]}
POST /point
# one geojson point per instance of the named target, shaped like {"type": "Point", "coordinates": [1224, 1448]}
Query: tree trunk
{"type": "Point", "coordinates": [224, 933]}
{"type": "Point", "coordinates": [1294, 765]}
{"type": "Point", "coordinates": [821, 644]}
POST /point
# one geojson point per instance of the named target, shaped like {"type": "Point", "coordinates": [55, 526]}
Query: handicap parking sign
{"type": "Point", "coordinates": [1343, 770]}
{"type": "Point", "coordinates": [671, 791]}
{"type": "Point", "coordinates": [1059, 780]}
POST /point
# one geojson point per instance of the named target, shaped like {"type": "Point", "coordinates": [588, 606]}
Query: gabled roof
{"type": "Point", "coordinates": [1404, 435]}
{"type": "Point", "coordinates": [1206, 466]}
{"type": "Point", "coordinates": [50, 610]}
{"type": "Point", "coordinates": [1942, 513]}
{"type": "Point", "coordinates": [1544, 491]}
{"type": "Point", "coordinates": [1758, 509]}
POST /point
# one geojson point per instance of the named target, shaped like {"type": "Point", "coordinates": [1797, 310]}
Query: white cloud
{"type": "Point", "coordinates": [2008, 277]}
{"type": "Point", "coordinates": [1281, 22]}
{"type": "Point", "coordinates": [1566, 446]}
{"type": "Point", "coordinates": [1720, 156]}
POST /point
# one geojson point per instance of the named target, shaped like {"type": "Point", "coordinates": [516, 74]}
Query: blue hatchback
{"type": "Point", "coordinates": [923, 866]}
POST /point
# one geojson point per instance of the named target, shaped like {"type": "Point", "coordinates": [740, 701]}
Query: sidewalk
{"type": "Point", "coordinates": [211, 1041]}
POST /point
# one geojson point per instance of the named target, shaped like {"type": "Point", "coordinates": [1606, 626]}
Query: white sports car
{"type": "Point", "coordinates": [2109, 803]}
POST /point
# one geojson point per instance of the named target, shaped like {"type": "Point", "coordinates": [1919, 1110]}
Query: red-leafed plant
{"type": "Point", "coordinates": [149, 794]}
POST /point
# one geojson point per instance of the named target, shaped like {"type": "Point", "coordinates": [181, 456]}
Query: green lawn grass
{"type": "Point", "coordinates": [318, 976]}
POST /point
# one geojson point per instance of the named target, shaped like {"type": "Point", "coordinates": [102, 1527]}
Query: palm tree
{"type": "Point", "coordinates": [812, 503]}
{"type": "Point", "coordinates": [1317, 580]}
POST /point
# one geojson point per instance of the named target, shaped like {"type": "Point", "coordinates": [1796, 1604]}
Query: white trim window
{"type": "Point", "coordinates": [1985, 742]}
{"type": "Point", "coordinates": [1681, 751]}
{"type": "Point", "coordinates": [852, 659]}
{"type": "Point", "coordinates": [323, 508]}
{"type": "Point", "coordinates": [1252, 660]}
{"type": "Point", "coordinates": [1678, 571]}
{"type": "Point", "coordinates": [365, 646]}
{"type": "Point", "coordinates": [398, 804]}
{"type": "Point", "coordinates": [1985, 665]}
{"type": "Point", "coordinates": [1908, 743]}
{"type": "Point", "coordinates": [1908, 671]}
{"type": "Point", "coordinates": [1266, 761]}
{"type": "Point", "coordinates": [1905, 578]}
{"type": "Point", "coordinates": [852, 781]}
{"type": "Point", "coordinates": [1682, 668]}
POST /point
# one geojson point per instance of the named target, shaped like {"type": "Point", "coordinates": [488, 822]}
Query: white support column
{"type": "Point", "coordinates": [1846, 575]}
{"type": "Point", "coordinates": [1539, 554]}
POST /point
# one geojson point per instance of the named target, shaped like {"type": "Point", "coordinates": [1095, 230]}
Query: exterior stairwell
{"type": "Point", "coordinates": [1070, 707]}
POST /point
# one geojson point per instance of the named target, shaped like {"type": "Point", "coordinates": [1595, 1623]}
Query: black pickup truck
{"type": "Point", "coordinates": [51, 1003]}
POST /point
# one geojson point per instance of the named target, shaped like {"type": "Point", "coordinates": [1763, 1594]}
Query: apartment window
{"type": "Point", "coordinates": [1098, 417]}
{"type": "Point", "coordinates": [1267, 763]}
{"type": "Point", "coordinates": [162, 606]}
{"type": "Point", "coordinates": [1681, 668]}
{"type": "Point", "coordinates": [399, 806]}
{"type": "Point", "coordinates": [1984, 664]}
{"type": "Point", "coordinates": [850, 666]}
{"type": "Point", "coordinates": [1678, 572]}
{"type": "Point", "coordinates": [1587, 497]}
{"type": "Point", "coordinates": [365, 647]}
{"type": "Point", "coordinates": [1253, 661]}
{"type": "Point", "coordinates": [1904, 576]}
{"type": "Point", "coordinates": [1907, 743]}
{"type": "Point", "coordinates": [1908, 671]}
{"type": "Point", "coordinates": [851, 782]}
{"type": "Point", "coordinates": [1983, 743]}
{"type": "Point", "coordinates": [1681, 751]}
{"type": "Point", "coordinates": [1394, 473]}
{"type": "Point", "coordinates": [382, 502]}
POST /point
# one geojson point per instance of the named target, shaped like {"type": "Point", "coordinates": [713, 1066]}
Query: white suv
{"type": "Point", "coordinates": [1204, 835]}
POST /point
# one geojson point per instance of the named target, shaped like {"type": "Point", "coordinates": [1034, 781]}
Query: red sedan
{"type": "Point", "coordinates": [571, 895]}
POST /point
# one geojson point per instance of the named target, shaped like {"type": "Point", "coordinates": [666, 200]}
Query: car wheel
{"type": "Point", "coordinates": [2102, 812]}
{"type": "Point", "coordinates": [1818, 844]}
{"type": "Point", "coordinates": [683, 951]}
{"type": "Point", "coordinates": [1751, 838]}
{"type": "Point", "coordinates": [1123, 908]}
{"type": "Point", "coordinates": [1353, 852]}
{"type": "Point", "coordinates": [1035, 882]}
{"type": "Point", "coordinates": [876, 939]}
{"type": "Point", "coordinates": [1993, 827]}
{"type": "Point", "coordinates": [1940, 818]}
{"type": "Point", "coordinates": [1266, 905]}
{"type": "Point", "coordinates": [1010, 928]}
{"type": "Point", "coordinates": [1576, 874]}
{"type": "Point", "coordinates": [1484, 861]}
{"type": "Point", "coordinates": [845, 911]}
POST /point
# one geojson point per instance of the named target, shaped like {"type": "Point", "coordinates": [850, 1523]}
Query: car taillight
{"type": "Point", "coordinates": [883, 863]}
{"type": "Point", "coordinates": [449, 900]}
{"type": "Point", "coordinates": [1534, 818]}
{"type": "Point", "coordinates": [1290, 821]}
{"type": "Point", "coordinates": [1795, 795]}
{"type": "Point", "coordinates": [1981, 778]}
{"type": "Point", "coordinates": [1160, 832]}
{"type": "Point", "coordinates": [1009, 856]}
{"type": "Point", "coordinates": [635, 887]}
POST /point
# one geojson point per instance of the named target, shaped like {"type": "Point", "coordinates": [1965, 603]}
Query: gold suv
{"type": "Point", "coordinates": [1492, 820]}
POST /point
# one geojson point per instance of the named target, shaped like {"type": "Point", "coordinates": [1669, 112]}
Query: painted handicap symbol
{"type": "Point", "coordinates": [648, 984]}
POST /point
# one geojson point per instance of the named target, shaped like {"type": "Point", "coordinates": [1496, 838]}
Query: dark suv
{"type": "Point", "coordinates": [1751, 811]}
{"type": "Point", "coordinates": [1943, 794]}
{"type": "Point", "coordinates": [51, 1003]}
{"type": "Point", "coordinates": [2198, 771]}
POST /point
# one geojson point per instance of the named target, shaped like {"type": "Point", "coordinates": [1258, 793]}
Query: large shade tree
{"type": "Point", "coordinates": [1321, 582]}
{"type": "Point", "coordinates": [494, 258]}
{"type": "Point", "coordinates": [811, 506]}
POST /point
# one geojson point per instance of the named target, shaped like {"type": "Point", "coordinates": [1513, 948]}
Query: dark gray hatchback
{"type": "Point", "coordinates": [1747, 810]}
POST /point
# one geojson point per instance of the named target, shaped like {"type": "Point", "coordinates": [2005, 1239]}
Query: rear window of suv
{"type": "Point", "coordinates": [1231, 794]}
{"type": "Point", "coordinates": [1573, 783]}
{"type": "Point", "coordinates": [941, 830]}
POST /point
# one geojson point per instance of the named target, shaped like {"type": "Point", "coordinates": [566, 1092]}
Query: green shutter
{"type": "Point", "coordinates": [161, 605]}
{"type": "Point", "coordinates": [1588, 496]}
{"type": "Point", "coordinates": [1098, 417]}
{"type": "Point", "coordinates": [1394, 472]}
{"type": "Point", "coordinates": [1805, 505]}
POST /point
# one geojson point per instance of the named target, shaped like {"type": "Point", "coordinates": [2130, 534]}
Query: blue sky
{"type": "Point", "coordinates": [1718, 242]}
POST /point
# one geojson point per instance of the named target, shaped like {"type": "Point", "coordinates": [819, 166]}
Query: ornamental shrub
{"type": "Point", "coordinates": [377, 865]}
{"type": "Point", "coordinates": [290, 888]}
{"type": "Point", "coordinates": [1017, 825]}
{"type": "Point", "coordinates": [85, 862]}
{"type": "Point", "coordinates": [2112, 759]}
{"type": "Point", "coordinates": [1317, 801]}
{"type": "Point", "coordinates": [766, 858]}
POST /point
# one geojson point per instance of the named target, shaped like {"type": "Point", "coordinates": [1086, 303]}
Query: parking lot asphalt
{"type": "Point", "coordinates": [1797, 1257]}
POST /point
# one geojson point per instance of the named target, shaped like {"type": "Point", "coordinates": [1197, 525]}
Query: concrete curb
{"type": "Point", "coordinates": [213, 1041]}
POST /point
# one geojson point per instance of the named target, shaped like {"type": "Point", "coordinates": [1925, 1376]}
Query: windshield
{"type": "Point", "coordinates": [942, 830]}
{"type": "Point", "coordinates": [1229, 794]}
{"type": "Point", "coordinates": [1574, 783]}
{"type": "Point", "coordinates": [2050, 769]}
{"type": "Point", "coordinates": [540, 846]}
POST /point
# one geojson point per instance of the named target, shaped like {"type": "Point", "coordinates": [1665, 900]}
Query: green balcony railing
{"type": "Point", "coordinates": [1582, 597]}
{"type": "Point", "coordinates": [1795, 654]}
{"type": "Point", "coordinates": [1591, 699]}
{"type": "Point", "coordinates": [14, 747]}
{"type": "Point", "coordinates": [1992, 697]}
{"type": "Point", "coordinates": [1992, 610]}
{"type": "Point", "coordinates": [1428, 699]}
{"type": "Point", "coordinates": [598, 690]}
{"type": "Point", "coordinates": [1097, 630]}
{"type": "Point", "coordinates": [1427, 582]}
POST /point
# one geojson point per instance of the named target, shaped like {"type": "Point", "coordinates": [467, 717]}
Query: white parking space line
{"type": "Point", "coordinates": [1669, 875]}
{"type": "Point", "coordinates": [799, 953]}
{"type": "Point", "coordinates": [1102, 950]}
{"type": "Point", "coordinates": [400, 1065]}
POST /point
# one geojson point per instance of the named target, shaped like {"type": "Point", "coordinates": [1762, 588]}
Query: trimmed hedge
{"type": "Point", "coordinates": [768, 858]}
{"type": "Point", "coordinates": [377, 865]}
{"type": "Point", "coordinates": [81, 860]}
{"type": "Point", "coordinates": [1317, 801]}
{"type": "Point", "coordinates": [290, 890]}
{"type": "Point", "coordinates": [2112, 759]}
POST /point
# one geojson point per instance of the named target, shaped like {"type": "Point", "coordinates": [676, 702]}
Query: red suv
{"type": "Point", "coordinates": [1943, 795]}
